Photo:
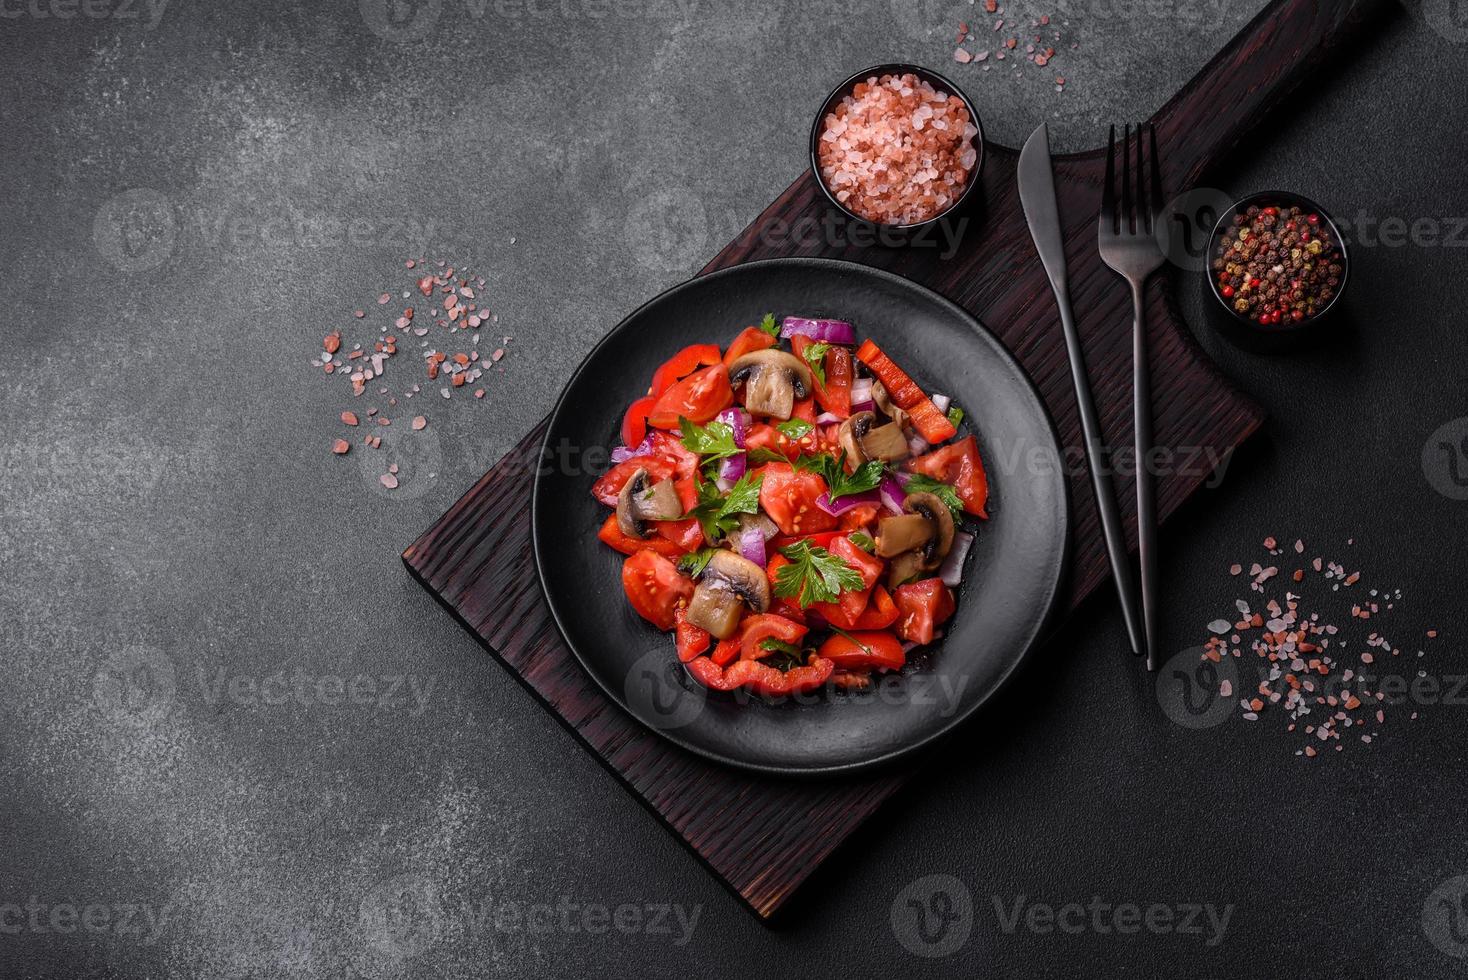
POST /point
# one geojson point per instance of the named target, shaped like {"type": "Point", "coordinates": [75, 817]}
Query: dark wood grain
{"type": "Point", "coordinates": [761, 836]}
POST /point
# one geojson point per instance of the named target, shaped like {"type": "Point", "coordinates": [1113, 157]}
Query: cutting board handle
{"type": "Point", "coordinates": [1248, 77]}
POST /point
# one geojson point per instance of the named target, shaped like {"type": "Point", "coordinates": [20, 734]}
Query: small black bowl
{"type": "Point", "coordinates": [938, 82]}
{"type": "Point", "coordinates": [1249, 334]}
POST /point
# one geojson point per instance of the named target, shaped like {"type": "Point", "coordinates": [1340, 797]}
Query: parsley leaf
{"type": "Point", "coordinates": [715, 440]}
{"type": "Point", "coordinates": [814, 575]}
{"type": "Point", "coordinates": [863, 541]}
{"type": "Point", "coordinates": [796, 429]}
{"type": "Point", "coordinates": [814, 356]}
{"type": "Point", "coordinates": [717, 513]}
{"type": "Point", "coordinates": [769, 326]}
{"type": "Point", "coordinates": [918, 483]}
{"type": "Point", "coordinates": [955, 415]}
{"type": "Point", "coordinates": [840, 483]}
{"type": "Point", "coordinates": [781, 655]}
{"type": "Point", "coordinates": [763, 454]}
{"type": "Point", "coordinates": [694, 563]}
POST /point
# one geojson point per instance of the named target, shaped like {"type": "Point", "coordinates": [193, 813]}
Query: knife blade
{"type": "Point", "coordinates": [1036, 177]}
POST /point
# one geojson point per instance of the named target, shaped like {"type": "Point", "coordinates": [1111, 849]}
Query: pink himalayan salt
{"type": "Point", "coordinates": [897, 151]}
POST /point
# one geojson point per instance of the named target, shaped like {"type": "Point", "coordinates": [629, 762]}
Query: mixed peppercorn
{"type": "Point", "coordinates": [1278, 263]}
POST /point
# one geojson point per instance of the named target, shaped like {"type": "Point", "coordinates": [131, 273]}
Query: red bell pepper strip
{"type": "Point", "coordinates": [692, 640]}
{"type": "Point", "coordinates": [932, 424]}
{"type": "Point", "coordinates": [767, 626]}
{"type": "Point", "coordinates": [634, 423]}
{"type": "Point", "coordinates": [749, 341]}
{"type": "Point", "coordinates": [611, 534]}
{"type": "Point", "coordinates": [864, 651]}
{"type": "Point", "coordinates": [761, 678]}
{"type": "Point", "coordinates": [681, 365]}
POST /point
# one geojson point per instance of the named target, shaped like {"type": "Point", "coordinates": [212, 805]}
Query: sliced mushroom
{"type": "Point", "coordinates": [772, 381]}
{"type": "Point", "coordinates": [729, 583]}
{"type": "Point", "coordinates": [889, 409]}
{"type": "Point", "coordinates": [903, 533]}
{"type": "Point", "coordinates": [863, 439]}
{"type": "Point", "coordinates": [925, 556]}
{"type": "Point", "coordinates": [641, 500]}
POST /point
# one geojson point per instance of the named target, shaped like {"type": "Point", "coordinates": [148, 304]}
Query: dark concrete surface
{"type": "Point", "coordinates": [170, 511]}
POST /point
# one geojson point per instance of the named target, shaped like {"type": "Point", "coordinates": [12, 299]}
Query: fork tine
{"type": "Point", "coordinates": [1157, 203]}
{"type": "Point", "coordinates": [1126, 179]}
{"type": "Point", "coordinates": [1108, 193]}
{"type": "Point", "coordinates": [1144, 213]}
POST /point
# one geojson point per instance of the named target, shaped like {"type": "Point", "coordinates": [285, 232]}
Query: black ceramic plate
{"type": "Point", "coordinates": [1010, 585]}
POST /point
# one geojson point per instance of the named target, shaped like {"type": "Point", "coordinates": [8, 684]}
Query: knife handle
{"type": "Point", "coordinates": [1259, 66]}
{"type": "Point", "coordinates": [1111, 527]}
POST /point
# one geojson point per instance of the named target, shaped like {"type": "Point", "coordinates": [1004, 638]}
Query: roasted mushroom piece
{"type": "Point", "coordinates": [772, 381]}
{"type": "Point", "coordinates": [918, 540]}
{"type": "Point", "coordinates": [729, 582]}
{"type": "Point", "coordinates": [641, 500]}
{"type": "Point", "coordinates": [863, 439]}
{"type": "Point", "coordinates": [888, 407]}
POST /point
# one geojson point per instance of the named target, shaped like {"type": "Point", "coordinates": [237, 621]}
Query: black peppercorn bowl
{"type": "Point", "coordinates": [1244, 331]}
{"type": "Point", "coordinates": [898, 233]}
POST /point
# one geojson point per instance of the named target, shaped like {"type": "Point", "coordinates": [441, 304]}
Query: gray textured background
{"type": "Point", "coordinates": [168, 501]}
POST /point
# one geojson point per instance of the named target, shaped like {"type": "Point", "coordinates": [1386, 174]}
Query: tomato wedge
{"type": "Point", "coordinates": [780, 606]}
{"type": "Point", "coordinates": [655, 588]}
{"type": "Point", "coordinates": [864, 651]}
{"type": "Point", "coordinates": [789, 497]}
{"type": "Point", "coordinates": [959, 465]}
{"type": "Point", "coordinates": [611, 534]}
{"type": "Point", "coordinates": [870, 566]}
{"type": "Point", "coordinates": [880, 613]}
{"type": "Point", "coordinates": [762, 678]}
{"type": "Point", "coordinates": [860, 517]}
{"type": "Point", "coordinates": [931, 423]}
{"type": "Point", "coordinates": [611, 482]}
{"type": "Point", "coordinates": [686, 462]}
{"type": "Point", "coordinates": [634, 423]}
{"type": "Point", "coordinates": [922, 606]}
{"type": "Point", "coordinates": [698, 398]}
{"type": "Point", "coordinates": [692, 640]}
{"type": "Point", "coordinates": [846, 611]}
{"type": "Point", "coordinates": [681, 365]}
{"type": "Point", "coordinates": [749, 340]}
{"type": "Point", "coordinates": [767, 627]}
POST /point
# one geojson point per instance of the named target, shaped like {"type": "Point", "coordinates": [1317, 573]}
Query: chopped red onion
{"type": "Point", "coordinates": [738, 422]}
{"type": "Point", "coordinates": [838, 507]}
{"type": "Point", "coordinates": [866, 406]}
{"type": "Point", "coordinates": [951, 571]}
{"type": "Point", "coordinates": [917, 445]}
{"type": "Point", "coordinates": [940, 402]}
{"type": "Point", "coordinates": [752, 545]}
{"type": "Point", "coordinates": [831, 331]}
{"type": "Point", "coordinates": [861, 390]}
{"type": "Point", "coordinates": [621, 454]}
{"type": "Point", "coordinates": [892, 495]}
{"type": "Point", "coordinates": [732, 468]}
{"type": "Point", "coordinates": [826, 418]}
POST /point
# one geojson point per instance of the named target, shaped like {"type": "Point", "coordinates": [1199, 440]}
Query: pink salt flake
{"type": "Point", "coordinates": [962, 57]}
{"type": "Point", "coordinates": [388, 480]}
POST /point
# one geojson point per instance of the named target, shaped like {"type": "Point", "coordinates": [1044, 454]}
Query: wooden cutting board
{"type": "Point", "coordinates": [764, 836]}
